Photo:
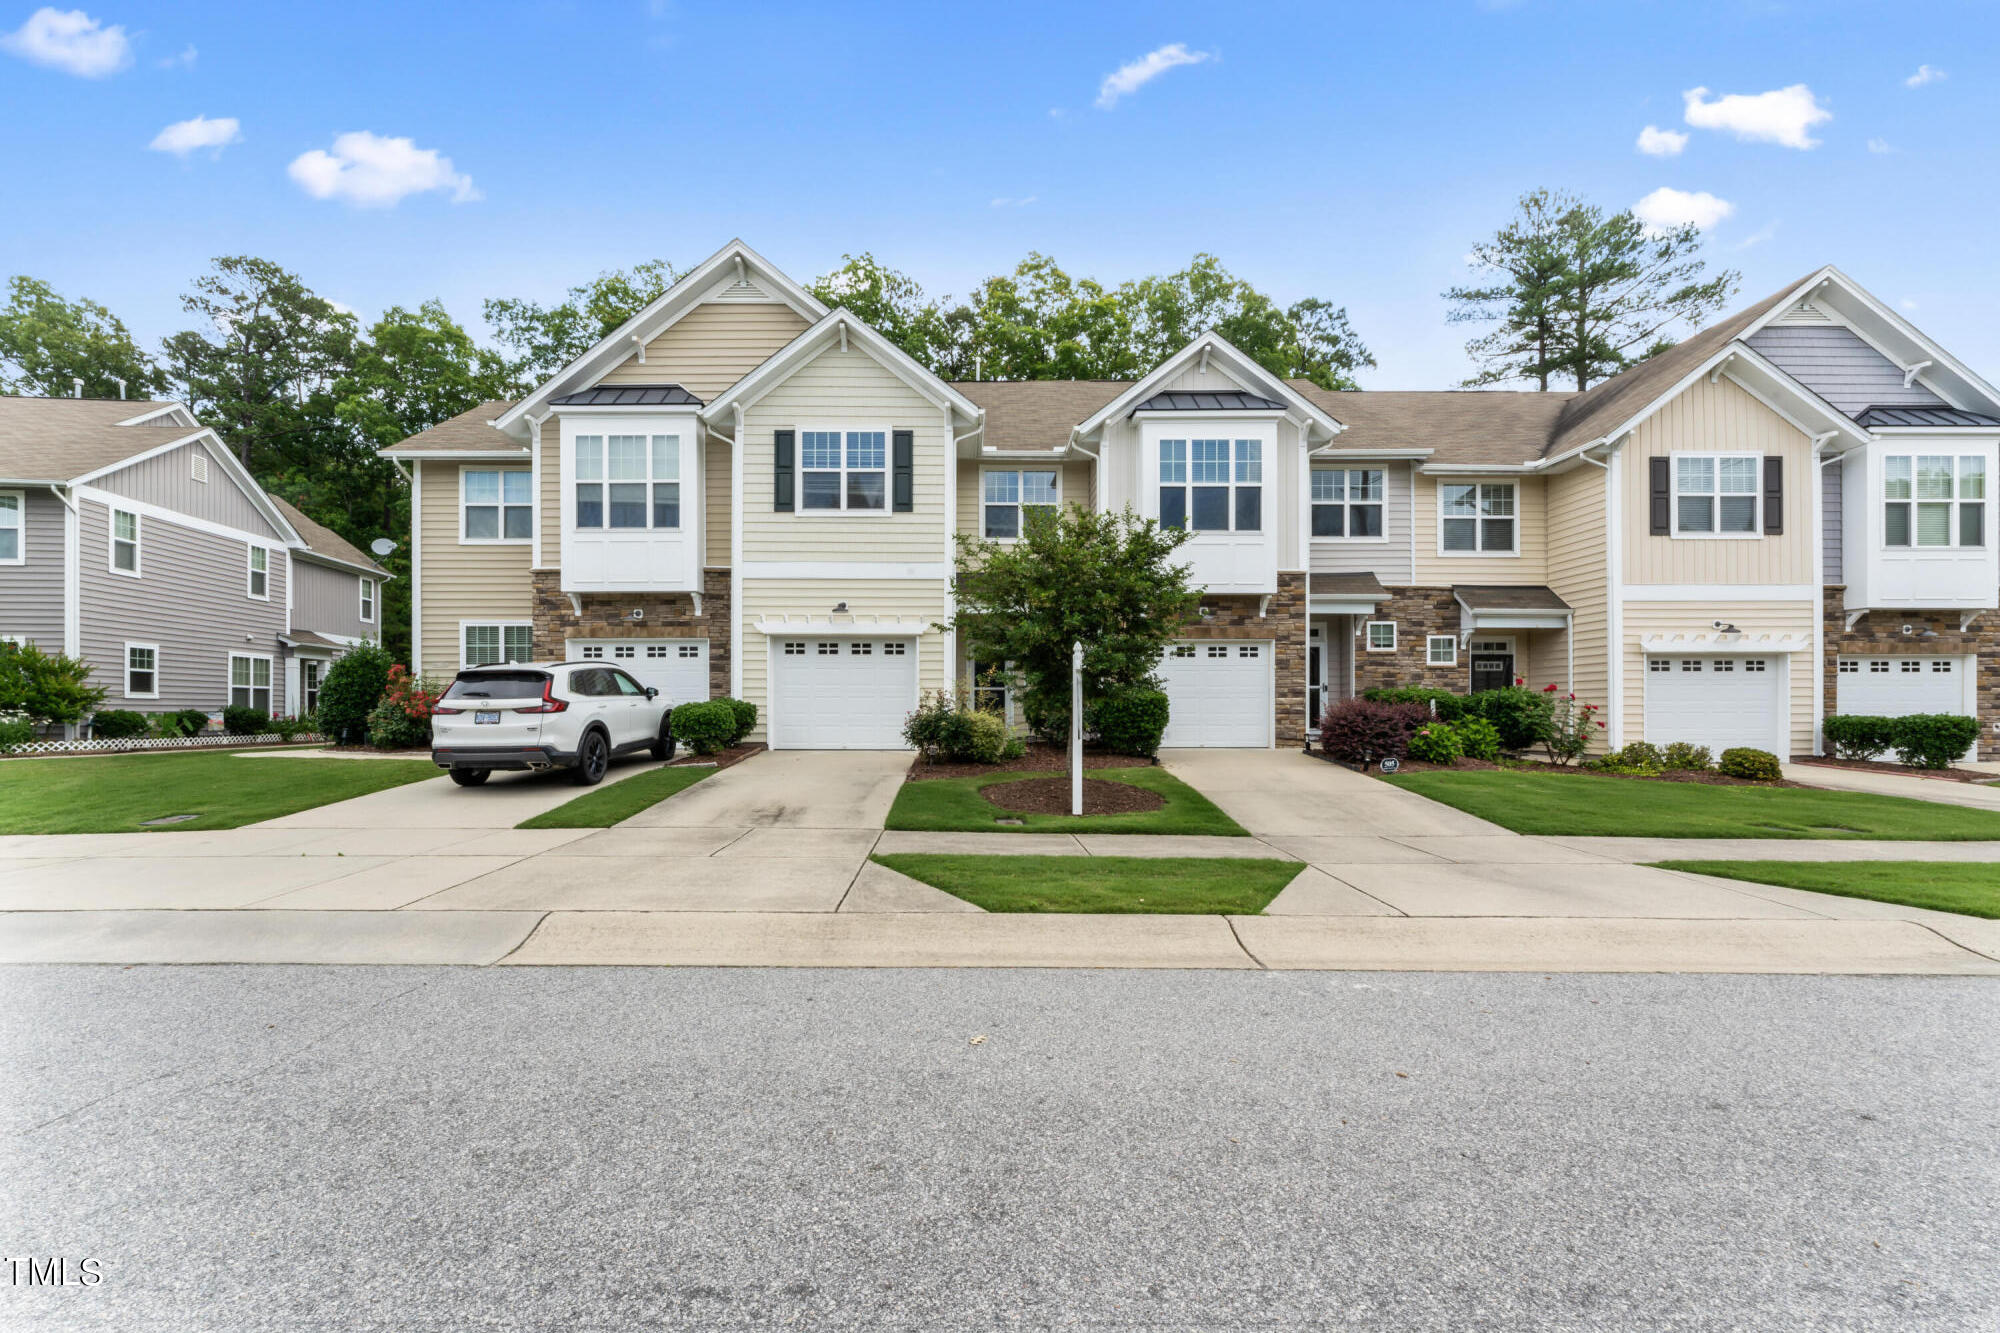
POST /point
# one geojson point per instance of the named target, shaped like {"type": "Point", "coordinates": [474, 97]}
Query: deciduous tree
{"type": "Point", "coordinates": [544, 339]}
{"type": "Point", "coordinates": [47, 343]}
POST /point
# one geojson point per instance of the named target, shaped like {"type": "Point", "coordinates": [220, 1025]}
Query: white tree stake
{"type": "Point", "coordinates": [1076, 728]}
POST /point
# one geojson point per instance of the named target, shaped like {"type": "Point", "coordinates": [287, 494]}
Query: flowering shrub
{"type": "Point", "coordinates": [1571, 727]}
{"type": "Point", "coordinates": [402, 720]}
{"type": "Point", "coordinates": [1480, 738]}
{"type": "Point", "coordinates": [1437, 743]}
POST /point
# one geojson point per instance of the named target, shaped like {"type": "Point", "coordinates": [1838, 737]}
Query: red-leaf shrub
{"type": "Point", "coordinates": [1363, 731]}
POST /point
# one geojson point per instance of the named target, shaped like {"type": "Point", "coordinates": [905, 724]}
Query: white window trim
{"type": "Point", "coordinates": [1021, 520]}
{"type": "Point", "coordinates": [307, 701]}
{"type": "Point", "coordinates": [366, 591]}
{"type": "Point", "coordinates": [138, 544]}
{"type": "Point", "coordinates": [20, 556]}
{"type": "Point", "coordinates": [503, 626]}
{"type": "Point", "coordinates": [799, 471]}
{"type": "Point", "coordinates": [1674, 496]}
{"type": "Point", "coordinates": [1263, 485]}
{"type": "Point", "coordinates": [1431, 641]}
{"type": "Point", "coordinates": [1442, 482]}
{"type": "Point", "coordinates": [682, 451]}
{"type": "Point", "coordinates": [229, 681]}
{"type": "Point", "coordinates": [501, 504]}
{"type": "Point", "coordinates": [1347, 522]}
{"type": "Point", "coordinates": [1912, 547]}
{"type": "Point", "coordinates": [250, 572]}
{"type": "Point", "coordinates": [130, 693]}
{"type": "Point", "coordinates": [1368, 636]}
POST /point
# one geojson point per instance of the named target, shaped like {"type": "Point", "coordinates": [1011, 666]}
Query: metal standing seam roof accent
{"type": "Point", "coordinates": [1889, 415]}
{"type": "Point", "coordinates": [628, 395]}
{"type": "Point", "coordinates": [1208, 400]}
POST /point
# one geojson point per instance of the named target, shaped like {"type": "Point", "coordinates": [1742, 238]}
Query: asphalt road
{"type": "Point", "coordinates": [429, 1148]}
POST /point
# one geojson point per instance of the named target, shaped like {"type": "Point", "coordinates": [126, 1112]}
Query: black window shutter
{"type": "Point", "coordinates": [903, 462]}
{"type": "Point", "coordinates": [1660, 496]}
{"type": "Point", "coordinates": [781, 474]}
{"type": "Point", "coordinates": [1774, 495]}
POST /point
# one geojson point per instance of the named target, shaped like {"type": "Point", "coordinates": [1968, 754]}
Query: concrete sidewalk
{"type": "Point", "coordinates": [1942, 790]}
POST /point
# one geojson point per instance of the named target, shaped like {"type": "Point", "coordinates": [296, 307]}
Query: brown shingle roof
{"type": "Point", "coordinates": [1346, 585]}
{"type": "Point", "coordinates": [1037, 414]}
{"type": "Point", "coordinates": [322, 540]}
{"type": "Point", "coordinates": [57, 439]}
{"type": "Point", "coordinates": [470, 431]}
{"type": "Point", "coordinates": [1457, 425]}
{"type": "Point", "coordinates": [1508, 597]}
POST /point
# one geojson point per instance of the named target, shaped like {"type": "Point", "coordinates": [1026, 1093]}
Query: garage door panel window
{"type": "Point", "coordinates": [1212, 485]}
{"type": "Point", "coordinates": [1347, 502]}
{"type": "Point", "coordinates": [1477, 519]}
{"type": "Point", "coordinates": [1934, 500]}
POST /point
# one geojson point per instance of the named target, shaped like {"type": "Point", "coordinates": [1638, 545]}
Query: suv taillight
{"type": "Point", "coordinates": [549, 703]}
{"type": "Point", "coordinates": [439, 710]}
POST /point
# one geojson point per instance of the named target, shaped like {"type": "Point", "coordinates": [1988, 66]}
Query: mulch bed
{"type": "Point", "coordinates": [1707, 779]}
{"type": "Point", "coordinates": [735, 754]}
{"type": "Point", "coordinates": [1884, 766]}
{"type": "Point", "coordinates": [1039, 759]}
{"type": "Point", "coordinates": [1050, 796]}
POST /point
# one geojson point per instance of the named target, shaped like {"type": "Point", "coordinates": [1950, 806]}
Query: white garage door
{"type": "Point", "coordinates": [1218, 694]}
{"type": "Point", "coordinates": [841, 694]}
{"type": "Point", "coordinates": [677, 668]}
{"type": "Point", "coordinates": [1899, 686]}
{"type": "Point", "coordinates": [1719, 702]}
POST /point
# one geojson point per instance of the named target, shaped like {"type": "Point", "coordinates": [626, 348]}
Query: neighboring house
{"type": "Point", "coordinates": [131, 537]}
{"type": "Point", "coordinates": [740, 492]}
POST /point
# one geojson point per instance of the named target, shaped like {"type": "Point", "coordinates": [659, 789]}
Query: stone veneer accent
{"type": "Point", "coordinates": [1418, 613]}
{"type": "Point", "coordinates": [1881, 632]}
{"type": "Point", "coordinates": [1234, 616]}
{"type": "Point", "coordinates": [606, 615]}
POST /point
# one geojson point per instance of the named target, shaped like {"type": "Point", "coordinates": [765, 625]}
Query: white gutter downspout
{"type": "Point", "coordinates": [1614, 606]}
{"type": "Point", "coordinates": [736, 565]}
{"type": "Point", "coordinates": [1819, 588]}
{"type": "Point", "coordinates": [535, 485]}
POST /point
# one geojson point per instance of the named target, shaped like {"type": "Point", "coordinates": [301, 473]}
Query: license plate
{"type": "Point", "coordinates": [485, 719]}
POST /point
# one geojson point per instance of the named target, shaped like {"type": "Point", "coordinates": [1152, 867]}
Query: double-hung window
{"type": "Point", "coordinates": [844, 470]}
{"type": "Point", "coordinates": [124, 542]}
{"type": "Point", "coordinates": [486, 645]}
{"type": "Point", "coordinates": [260, 573]}
{"type": "Point", "coordinates": [142, 671]}
{"type": "Point", "coordinates": [250, 682]}
{"type": "Point", "coordinates": [367, 600]}
{"type": "Point", "coordinates": [1476, 517]}
{"type": "Point", "coordinates": [13, 547]}
{"type": "Point", "coordinates": [628, 481]}
{"type": "Point", "coordinates": [1212, 485]}
{"type": "Point", "coordinates": [1007, 498]}
{"type": "Point", "coordinates": [1920, 494]}
{"type": "Point", "coordinates": [1347, 502]}
{"type": "Point", "coordinates": [309, 672]}
{"type": "Point", "coordinates": [1716, 494]}
{"type": "Point", "coordinates": [497, 505]}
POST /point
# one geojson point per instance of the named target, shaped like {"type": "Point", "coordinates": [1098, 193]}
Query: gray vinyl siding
{"type": "Point", "coordinates": [1831, 520]}
{"type": "Point", "coordinates": [1388, 560]}
{"type": "Point", "coordinates": [31, 594]}
{"type": "Point", "coordinates": [190, 599]}
{"type": "Point", "coordinates": [328, 601]}
{"type": "Point", "coordinates": [167, 480]}
{"type": "Point", "coordinates": [1838, 365]}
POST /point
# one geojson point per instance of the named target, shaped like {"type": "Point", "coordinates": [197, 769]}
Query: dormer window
{"type": "Point", "coordinates": [1212, 485]}
{"type": "Point", "coordinates": [1934, 500]}
{"type": "Point", "coordinates": [628, 481]}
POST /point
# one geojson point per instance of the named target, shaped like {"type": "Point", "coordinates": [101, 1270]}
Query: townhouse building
{"type": "Point", "coordinates": [740, 491]}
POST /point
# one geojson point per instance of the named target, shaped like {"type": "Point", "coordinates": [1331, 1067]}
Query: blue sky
{"type": "Point", "coordinates": [1350, 151]}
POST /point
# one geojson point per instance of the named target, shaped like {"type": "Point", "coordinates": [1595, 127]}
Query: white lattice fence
{"type": "Point", "coordinates": [206, 741]}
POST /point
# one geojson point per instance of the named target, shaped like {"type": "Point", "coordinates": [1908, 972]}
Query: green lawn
{"type": "Point", "coordinates": [114, 793]}
{"type": "Point", "coordinates": [1178, 884]}
{"type": "Point", "coordinates": [954, 805]}
{"type": "Point", "coordinates": [601, 807]}
{"type": "Point", "coordinates": [1577, 806]}
{"type": "Point", "coordinates": [1971, 887]}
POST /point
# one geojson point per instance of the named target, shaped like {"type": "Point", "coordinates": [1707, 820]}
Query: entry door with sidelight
{"type": "Point", "coordinates": [1315, 679]}
{"type": "Point", "coordinates": [1492, 664]}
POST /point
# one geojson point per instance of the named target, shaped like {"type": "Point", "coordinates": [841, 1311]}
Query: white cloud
{"type": "Point", "coordinates": [1656, 142]}
{"type": "Point", "coordinates": [185, 136]}
{"type": "Point", "coordinates": [1022, 202]}
{"type": "Point", "coordinates": [1666, 208]}
{"type": "Point", "coordinates": [1907, 304]}
{"type": "Point", "coordinates": [1783, 116]}
{"type": "Point", "coordinates": [370, 171]}
{"type": "Point", "coordinates": [1132, 76]}
{"type": "Point", "coordinates": [1925, 74]}
{"type": "Point", "coordinates": [71, 41]}
{"type": "Point", "coordinates": [185, 60]}
{"type": "Point", "coordinates": [1880, 146]}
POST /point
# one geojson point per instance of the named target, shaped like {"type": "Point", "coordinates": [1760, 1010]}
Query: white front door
{"type": "Point", "coordinates": [1900, 686]}
{"type": "Point", "coordinates": [677, 668]}
{"type": "Point", "coordinates": [1218, 694]}
{"type": "Point", "coordinates": [841, 693]}
{"type": "Point", "coordinates": [1718, 701]}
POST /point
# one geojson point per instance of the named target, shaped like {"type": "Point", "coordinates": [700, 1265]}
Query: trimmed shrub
{"type": "Point", "coordinates": [291, 728]}
{"type": "Point", "coordinates": [1480, 738]}
{"type": "Point", "coordinates": [984, 739]}
{"type": "Point", "coordinates": [191, 721]}
{"type": "Point", "coordinates": [117, 724]}
{"type": "Point", "coordinates": [1859, 736]}
{"type": "Point", "coordinates": [1364, 731]}
{"type": "Point", "coordinates": [1932, 740]}
{"type": "Point", "coordinates": [1744, 762]}
{"type": "Point", "coordinates": [1132, 720]}
{"type": "Point", "coordinates": [1685, 757]}
{"type": "Point", "coordinates": [45, 687]}
{"type": "Point", "coordinates": [1522, 716]}
{"type": "Point", "coordinates": [704, 727]}
{"type": "Point", "coordinates": [1447, 706]}
{"type": "Point", "coordinates": [352, 688]}
{"type": "Point", "coordinates": [15, 731]}
{"type": "Point", "coordinates": [240, 721]}
{"type": "Point", "coordinates": [1436, 743]}
{"type": "Point", "coordinates": [946, 728]}
{"type": "Point", "coordinates": [1638, 757]}
{"type": "Point", "coordinates": [745, 714]}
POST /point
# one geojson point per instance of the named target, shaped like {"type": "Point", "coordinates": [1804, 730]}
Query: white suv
{"type": "Point", "coordinates": [541, 715]}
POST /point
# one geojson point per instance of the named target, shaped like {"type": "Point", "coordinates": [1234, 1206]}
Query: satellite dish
{"type": "Point", "coordinates": [381, 546]}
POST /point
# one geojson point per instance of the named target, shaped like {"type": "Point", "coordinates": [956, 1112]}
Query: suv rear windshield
{"type": "Point", "coordinates": [498, 685]}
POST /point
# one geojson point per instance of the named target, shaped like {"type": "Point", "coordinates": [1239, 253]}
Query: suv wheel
{"type": "Point", "coordinates": [664, 747]}
{"type": "Point", "coordinates": [470, 777]}
{"type": "Point", "coordinates": [593, 758]}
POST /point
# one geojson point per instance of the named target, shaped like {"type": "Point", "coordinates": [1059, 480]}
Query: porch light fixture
{"type": "Point", "coordinates": [839, 608]}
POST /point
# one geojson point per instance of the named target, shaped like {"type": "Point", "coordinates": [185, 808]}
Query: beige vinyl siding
{"type": "Point", "coordinates": [1719, 418]}
{"type": "Point", "coordinates": [920, 600]}
{"type": "Point", "coordinates": [711, 347]}
{"type": "Point", "coordinates": [1076, 487]}
{"type": "Point", "coordinates": [716, 459]}
{"type": "Point", "coordinates": [328, 601]}
{"type": "Point", "coordinates": [1387, 560]}
{"type": "Point", "coordinates": [1578, 573]}
{"type": "Point", "coordinates": [167, 480]}
{"type": "Point", "coordinates": [1530, 566]}
{"type": "Point", "coordinates": [31, 593]}
{"type": "Point", "coordinates": [548, 515]}
{"type": "Point", "coordinates": [1753, 618]}
{"type": "Point", "coordinates": [480, 582]}
{"type": "Point", "coordinates": [850, 391]}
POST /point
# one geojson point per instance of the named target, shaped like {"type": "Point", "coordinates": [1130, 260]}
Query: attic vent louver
{"type": "Point", "coordinates": [199, 466]}
{"type": "Point", "coordinates": [742, 290]}
{"type": "Point", "coordinates": [1805, 312]}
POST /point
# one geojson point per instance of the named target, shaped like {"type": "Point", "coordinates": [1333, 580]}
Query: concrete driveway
{"type": "Point", "coordinates": [1945, 792]}
{"type": "Point", "coordinates": [1292, 794]}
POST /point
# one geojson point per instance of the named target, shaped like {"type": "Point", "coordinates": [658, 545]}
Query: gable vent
{"type": "Point", "coordinates": [742, 290]}
{"type": "Point", "coordinates": [199, 466]}
{"type": "Point", "coordinates": [1805, 312]}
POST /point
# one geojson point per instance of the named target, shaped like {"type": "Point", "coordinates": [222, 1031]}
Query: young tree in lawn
{"type": "Point", "coordinates": [547, 338]}
{"type": "Point", "coordinates": [1108, 580]}
{"type": "Point", "coordinates": [47, 343]}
